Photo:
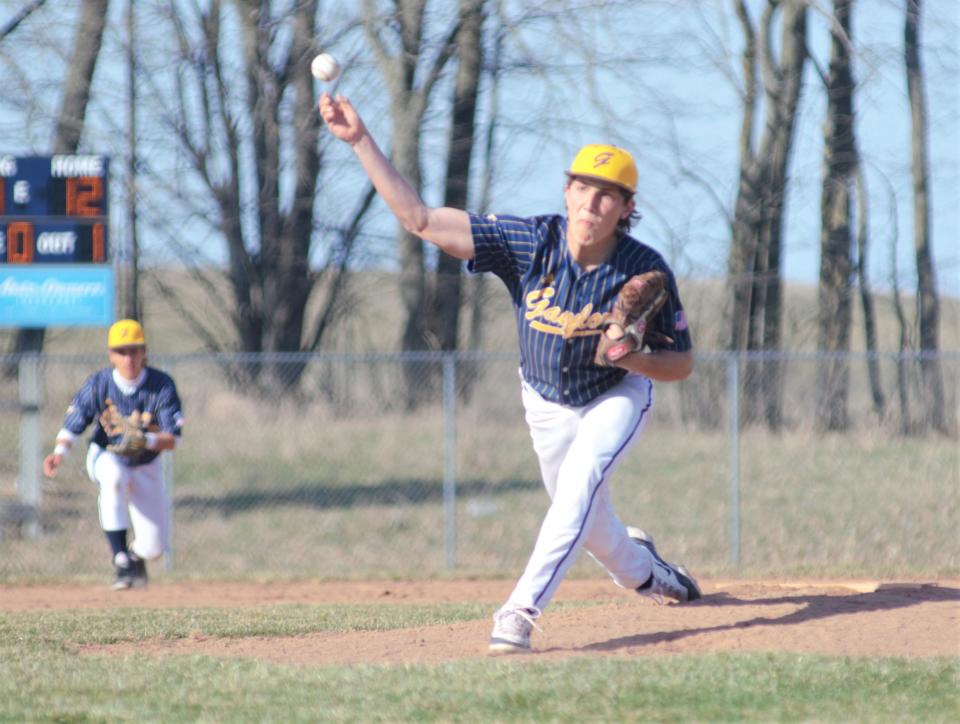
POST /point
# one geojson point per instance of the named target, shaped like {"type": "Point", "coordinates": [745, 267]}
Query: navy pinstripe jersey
{"type": "Point", "coordinates": [559, 307]}
{"type": "Point", "coordinates": [155, 399]}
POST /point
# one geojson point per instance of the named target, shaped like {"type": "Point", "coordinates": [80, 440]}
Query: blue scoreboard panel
{"type": "Point", "coordinates": [54, 209]}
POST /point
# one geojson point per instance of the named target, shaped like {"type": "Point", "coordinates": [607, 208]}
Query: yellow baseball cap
{"type": "Point", "coordinates": [125, 333]}
{"type": "Point", "coordinates": [607, 163]}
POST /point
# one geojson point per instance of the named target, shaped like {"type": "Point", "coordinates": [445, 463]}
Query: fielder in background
{"type": "Point", "coordinates": [583, 407]}
{"type": "Point", "coordinates": [137, 414]}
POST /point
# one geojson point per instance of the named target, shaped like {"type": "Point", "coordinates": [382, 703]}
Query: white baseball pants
{"type": "Point", "coordinates": [578, 449]}
{"type": "Point", "coordinates": [132, 496]}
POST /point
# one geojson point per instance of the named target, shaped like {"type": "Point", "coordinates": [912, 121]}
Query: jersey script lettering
{"type": "Point", "coordinates": [554, 320]}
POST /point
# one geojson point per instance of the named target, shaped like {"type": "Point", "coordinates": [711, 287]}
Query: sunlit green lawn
{"type": "Point", "coordinates": [43, 678]}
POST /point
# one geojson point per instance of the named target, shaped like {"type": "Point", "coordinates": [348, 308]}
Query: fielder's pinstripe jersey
{"type": "Point", "coordinates": [155, 399]}
{"type": "Point", "coordinates": [559, 307]}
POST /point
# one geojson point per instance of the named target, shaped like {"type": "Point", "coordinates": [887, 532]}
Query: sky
{"type": "Point", "coordinates": [677, 102]}
{"type": "Point", "coordinates": [680, 218]}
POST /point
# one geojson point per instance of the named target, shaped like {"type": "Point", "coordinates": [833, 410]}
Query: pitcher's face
{"type": "Point", "coordinates": [594, 209]}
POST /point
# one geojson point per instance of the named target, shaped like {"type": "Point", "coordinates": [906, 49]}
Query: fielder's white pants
{"type": "Point", "coordinates": [578, 449]}
{"type": "Point", "coordinates": [132, 496]}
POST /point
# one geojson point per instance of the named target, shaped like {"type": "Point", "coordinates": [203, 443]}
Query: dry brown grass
{"type": "Point", "coordinates": [375, 318]}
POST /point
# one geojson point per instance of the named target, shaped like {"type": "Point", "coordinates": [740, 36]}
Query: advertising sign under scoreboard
{"type": "Point", "coordinates": [41, 295]}
{"type": "Point", "coordinates": [54, 215]}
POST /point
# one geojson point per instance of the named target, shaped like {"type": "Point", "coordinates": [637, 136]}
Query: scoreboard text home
{"type": "Point", "coordinates": [53, 209]}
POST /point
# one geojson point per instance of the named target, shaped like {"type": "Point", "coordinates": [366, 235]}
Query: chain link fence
{"type": "Point", "coordinates": [420, 464]}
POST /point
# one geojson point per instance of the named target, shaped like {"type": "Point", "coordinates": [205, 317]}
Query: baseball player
{"type": "Point", "coordinates": [564, 275]}
{"type": "Point", "coordinates": [137, 415]}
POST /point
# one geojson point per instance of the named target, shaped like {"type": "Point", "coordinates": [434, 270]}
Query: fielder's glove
{"type": "Point", "coordinates": [132, 440]}
{"type": "Point", "coordinates": [640, 298]}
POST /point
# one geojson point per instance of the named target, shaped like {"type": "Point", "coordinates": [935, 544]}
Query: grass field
{"type": "Point", "coordinates": [44, 677]}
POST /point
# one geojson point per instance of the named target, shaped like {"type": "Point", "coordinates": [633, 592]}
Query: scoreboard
{"type": "Point", "coordinates": [54, 209]}
{"type": "Point", "coordinates": [54, 252]}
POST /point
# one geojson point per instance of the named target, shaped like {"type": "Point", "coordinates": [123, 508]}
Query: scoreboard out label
{"type": "Point", "coordinates": [54, 209]}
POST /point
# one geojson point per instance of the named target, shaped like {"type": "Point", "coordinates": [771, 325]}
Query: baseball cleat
{"type": "Point", "coordinates": [138, 571]}
{"type": "Point", "coordinates": [122, 572]}
{"type": "Point", "coordinates": [511, 630]}
{"type": "Point", "coordinates": [666, 579]}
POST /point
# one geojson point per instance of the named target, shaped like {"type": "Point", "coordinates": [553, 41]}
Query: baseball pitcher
{"type": "Point", "coordinates": [599, 319]}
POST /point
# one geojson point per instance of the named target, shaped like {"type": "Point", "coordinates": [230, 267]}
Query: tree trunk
{"type": "Point", "coordinates": [413, 275]}
{"type": "Point", "coordinates": [928, 305]}
{"type": "Point", "coordinates": [448, 287]}
{"type": "Point", "coordinates": [836, 237]}
{"type": "Point", "coordinates": [754, 270]}
{"type": "Point", "coordinates": [411, 73]}
{"type": "Point", "coordinates": [903, 385]}
{"type": "Point", "coordinates": [128, 281]}
{"type": "Point", "coordinates": [866, 298]}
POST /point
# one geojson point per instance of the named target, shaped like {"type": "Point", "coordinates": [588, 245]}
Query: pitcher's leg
{"type": "Point", "coordinates": [558, 542]}
{"type": "Point", "coordinates": [580, 506]}
{"type": "Point", "coordinates": [608, 541]}
{"type": "Point", "coordinates": [611, 546]}
{"type": "Point", "coordinates": [552, 429]}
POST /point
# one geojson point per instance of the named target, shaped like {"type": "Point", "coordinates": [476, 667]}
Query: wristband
{"type": "Point", "coordinates": [61, 449]}
{"type": "Point", "coordinates": [151, 438]}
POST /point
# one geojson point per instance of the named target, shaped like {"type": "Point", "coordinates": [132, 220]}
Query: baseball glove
{"type": "Point", "coordinates": [625, 327]}
{"type": "Point", "coordinates": [132, 440]}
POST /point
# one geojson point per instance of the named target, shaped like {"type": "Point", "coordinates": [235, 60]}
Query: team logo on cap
{"type": "Point", "coordinates": [602, 159]}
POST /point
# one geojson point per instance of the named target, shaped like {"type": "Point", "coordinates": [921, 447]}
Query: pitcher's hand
{"type": "Point", "coordinates": [341, 118]}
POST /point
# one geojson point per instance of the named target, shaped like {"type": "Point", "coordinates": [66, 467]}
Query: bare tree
{"type": "Point", "coordinates": [411, 72]}
{"type": "Point", "coordinates": [73, 108]}
{"type": "Point", "coordinates": [445, 317]}
{"type": "Point", "coordinates": [411, 69]}
{"type": "Point", "coordinates": [754, 273]}
{"type": "Point", "coordinates": [836, 234]}
{"type": "Point", "coordinates": [243, 117]}
{"type": "Point", "coordinates": [479, 289]}
{"type": "Point", "coordinates": [928, 305]}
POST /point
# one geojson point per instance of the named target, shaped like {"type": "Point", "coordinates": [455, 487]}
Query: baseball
{"type": "Point", "coordinates": [325, 67]}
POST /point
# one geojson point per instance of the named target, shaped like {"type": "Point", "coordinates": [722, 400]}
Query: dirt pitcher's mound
{"type": "Point", "coordinates": [858, 618]}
